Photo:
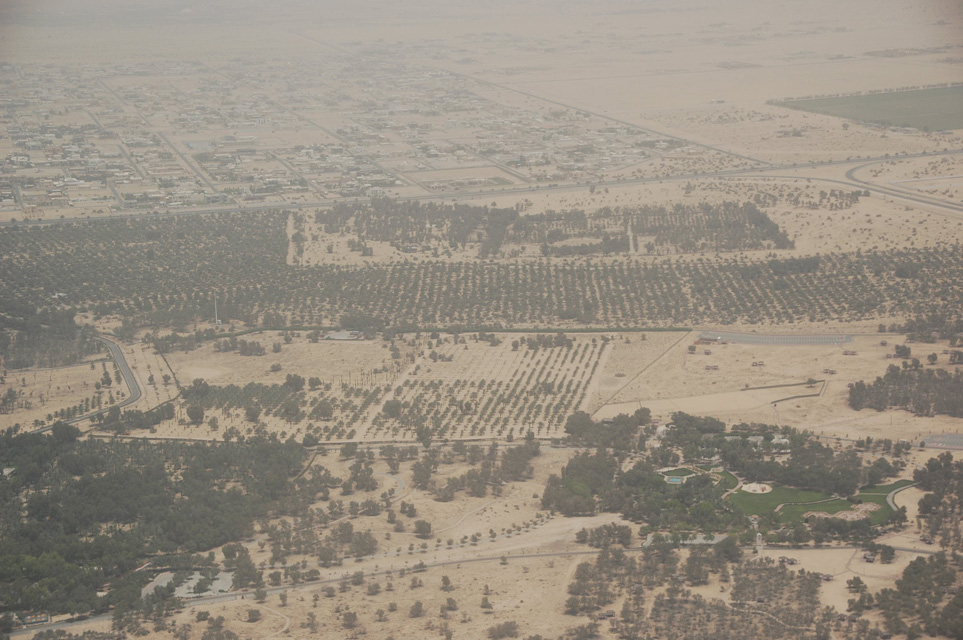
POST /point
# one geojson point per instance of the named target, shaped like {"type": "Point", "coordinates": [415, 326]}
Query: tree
{"type": "Point", "coordinates": [503, 630]}
{"type": "Point", "coordinates": [392, 409]}
{"type": "Point", "coordinates": [324, 409]}
{"type": "Point", "coordinates": [294, 382]}
{"type": "Point", "coordinates": [252, 412]}
{"type": "Point", "coordinates": [423, 529]}
{"type": "Point", "coordinates": [898, 518]}
{"type": "Point", "coordinates": [349, 619]}
{"type": "Point", "coordinates": [421, 473]}
{"type": "Point", "coordinates": [253, 615]}
{"type": "Point", "coordinates": [728, 549]}
{"type": "Point", "coordinates": [417, 610]}
{"type": "Point", "coordinates": [6, 625]}
{"type": "Point", "coordinates": [856, 585]}
{"type": "Point", "coordinates": [348, 450]}
{"type": "Point", "coordinates": [642, 416]}
{"type": "Point", "coordinates": [8, 401]}
{"type": "Point", "coordinates": [886, 554]}
{"type": "Point", "coordinates": [196, 413]}
{"type": "Point", "coordinates": [579, 424]}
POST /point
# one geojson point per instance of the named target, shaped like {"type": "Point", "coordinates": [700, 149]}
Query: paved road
{"type": "Point", "coordinates": [249, 594]}
{"type": "Point", "coordinates": [135, 391]}
{"type": "Point", "coordinates": [891, 496]}
{"type": "Point", "coordinates": [949, 208]}
{"type": "Point", "coordinates": [128, 375]}
{"type": "Point", "coordinates": [776, 339]}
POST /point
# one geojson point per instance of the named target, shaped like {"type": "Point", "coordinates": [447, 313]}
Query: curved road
{"type": "Point", "coordinates": [135, 391]}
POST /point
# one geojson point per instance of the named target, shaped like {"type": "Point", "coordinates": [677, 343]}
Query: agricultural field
{"type": "Point", "coordinates": [242, 259]}
{"type": "Point", "coordinates": [503, 387]}
{"type": "Point", "coordinates": [468, 386]}
{"type": "Point", "coordinates": [386, 232]}
{"type": "Point", "coordinates": [926, 109]}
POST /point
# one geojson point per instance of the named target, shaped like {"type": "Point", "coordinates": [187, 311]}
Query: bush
{"type": "Point", "coordinates": [503, 630]}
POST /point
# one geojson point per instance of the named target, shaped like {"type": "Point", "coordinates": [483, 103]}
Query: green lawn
{"type": "Point", "coordinates": [883, 489]}
{"type": "Point", "coordinates": [679, 473]}
{"type": "Point", "coordinates": [758, 504]}
{"type": "Point", "coordinates": [882, 515]}
{"type": "Point", "coordinates": [793, 512]}
{"type": "Point", "coordinates": [927, 109]}
{"type": "Point", "coordinates": [729, 481]}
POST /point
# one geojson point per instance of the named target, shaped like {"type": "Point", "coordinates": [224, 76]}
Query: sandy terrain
{"type": "Point", "coordinates": [628, 358]}
{"type": "Point", "coordinates": [680, 382]}
{"type": "Point", "coordinates": [45, 391]}
{"type": "Point", "coordinates": [470, 389]}
{"type": "Point", "coordinates": [149, 368]}
{"type": "Point", "coordinates": [517, 586]}
{"type": "Point", "coordinates": [333, 361]}
{"type": "Point", "coordinates": [844, 564]}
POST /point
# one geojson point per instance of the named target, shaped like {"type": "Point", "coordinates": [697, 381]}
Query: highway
{"type": "Point", "coordinates": [950, 208]}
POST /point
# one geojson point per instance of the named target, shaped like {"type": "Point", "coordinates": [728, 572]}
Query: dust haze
{"type": "Point", "coordinates": [616, 319]}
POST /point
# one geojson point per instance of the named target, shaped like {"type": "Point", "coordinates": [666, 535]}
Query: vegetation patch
{"type": "Point", "coordinates": [926, 109]}
{"type": "Point", "coordinates": [729, 481]}
{"type": "Point", "coordinates": [881, 515]}
{"type": "Point", "coordinates": [141, 269]}
{"type": "Point", "coordinates": [761, 503]}
{"type": "Point", "coordinates": [925, 392]}
{"type": "Point", "coordinates": [77, 514]}
{"type": "Point", "coordinates": [884, 489]}
{"type": "Point", "coordinates": [795, 512]}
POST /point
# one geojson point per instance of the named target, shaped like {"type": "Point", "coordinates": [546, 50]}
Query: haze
{"type": "Point", "coordinates": [543, 320]}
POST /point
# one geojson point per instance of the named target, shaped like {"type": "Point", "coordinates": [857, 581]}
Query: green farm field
{"type": "Point", "coordinates": [927, 109]}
